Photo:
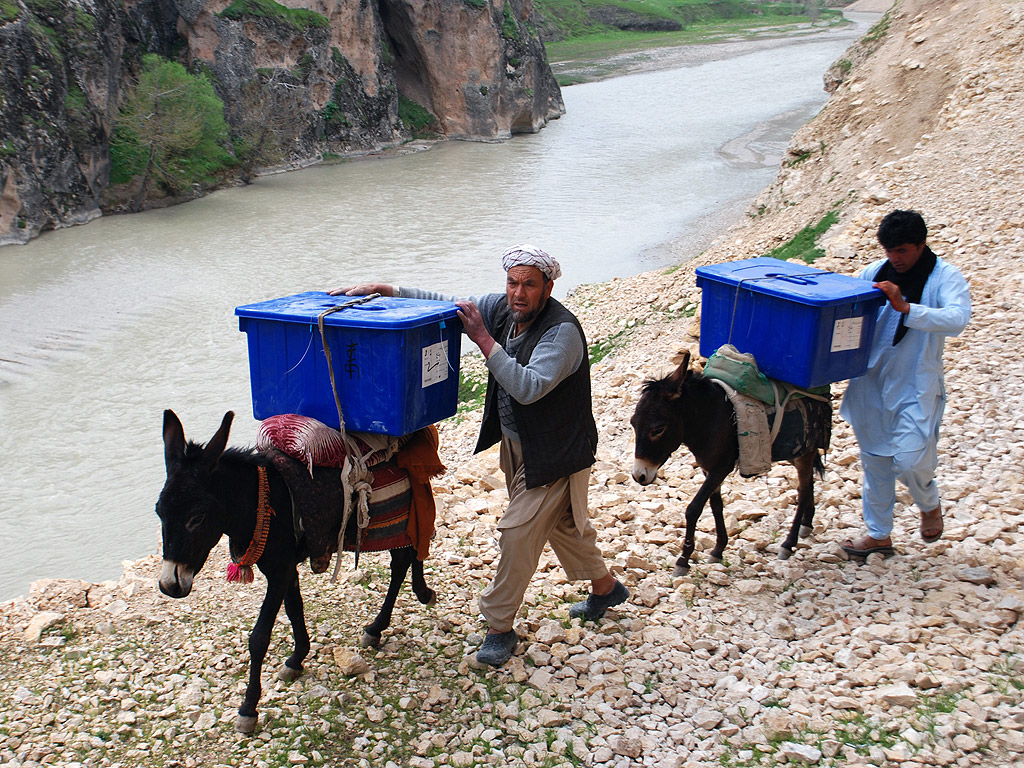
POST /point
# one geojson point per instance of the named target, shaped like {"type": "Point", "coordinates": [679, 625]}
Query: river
{"type": "Point", "coordinates": [104, 326]}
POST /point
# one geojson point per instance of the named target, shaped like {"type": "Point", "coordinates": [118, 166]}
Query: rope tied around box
{"type": "Point", "coordinates": [356, 478]}
{"type": "Point", "coordinates": [799, 278]}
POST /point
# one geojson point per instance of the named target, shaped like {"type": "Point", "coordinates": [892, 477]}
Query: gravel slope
{"type": "Point", "coordinates": [917, 660]}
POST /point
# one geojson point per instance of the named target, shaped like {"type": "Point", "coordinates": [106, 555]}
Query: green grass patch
{"type": "Point", "coordinates": [299, 18]}
{"type": "Point", "coordinates": [804, 244]}
{"type": "Point", "coordinates": [472, 388]}
{"type": "Point", "coordinates": [416, 118]}
{"type": "Point", "coordinates": [1008, 676]}
{"type": "Point", "coordinates": [802, 157]}
{"type": "Point", "coordinates": [586, 39]}
{"type": "Point", "coordinates": [46, 8]}
{"type": "Point", "coordinates": [8, 11]}
{"type": "Point", "coordinates": [862, 733]}
{"type": "Point", "coordinates": [599, 350]}
{"type": "Point", "coordinates": [879, 30]}
{"type": "Point", "coordinates": [509, 27]}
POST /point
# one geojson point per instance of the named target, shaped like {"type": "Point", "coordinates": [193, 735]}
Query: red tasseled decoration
{"type": "Point", "coordinates": [240, 573]}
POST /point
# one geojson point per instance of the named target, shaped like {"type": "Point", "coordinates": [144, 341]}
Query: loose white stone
{"type": "Point", "coordinates": [803, 753]}
{"type": "Point", "coordinates": [41, 622]}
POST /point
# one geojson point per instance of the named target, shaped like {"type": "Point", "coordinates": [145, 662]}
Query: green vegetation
{"type": "Point", "coordinates": [77, 110]}
{"type": "Point", "coordinates": [472, 387]}
{"type": "Point", "coordinates": [599, 350]}
{"type": "Point", "coordinates": [804, 244]}
{"type": "Point", "coordinates": [879, 30]}
{"type": "Point", "coordinates": [170, 131]}
{"type": "Point", "coordinates": [1007, 677]}
{"type": "Point", "coordinates": [509, 27]}
{"type": "Point", "coordinates": [84, 20]}
{"type": "Point", "coordinates": [805, 155]}
{"type": "Point", "coordinates": [46, 8]}
{"type": "Point", "coordinates": [47, 35]}
{"type": "Point", "coordinates": [417, 119]}
{"type": "Point", "coordinates": [8, 11]}
{"type": "Point", "coordinates": [586, 30]}
{"type": "Point", "coordinates": [299, 18]}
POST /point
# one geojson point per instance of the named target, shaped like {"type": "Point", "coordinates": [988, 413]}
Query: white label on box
{"type": "Point", "coordinates": [846, 334]}
{"type": "Point", "coordinates": [435, 363]}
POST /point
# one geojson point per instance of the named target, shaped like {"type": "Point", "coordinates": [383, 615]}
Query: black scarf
{"type": "Point", "coordinates": [911, 283]}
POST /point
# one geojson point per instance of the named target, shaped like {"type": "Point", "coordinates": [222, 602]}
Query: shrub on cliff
{"type": "Point", "coordinates": [170, 131]}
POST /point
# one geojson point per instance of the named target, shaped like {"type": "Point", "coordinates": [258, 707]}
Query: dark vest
{"type": "Point", "coordinates": [558, 433]}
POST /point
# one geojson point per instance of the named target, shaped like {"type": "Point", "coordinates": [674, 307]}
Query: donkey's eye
{"type": "Point", "coordinates": [656, 432]}
{"type": "Point", "coordinates": [194, 523]}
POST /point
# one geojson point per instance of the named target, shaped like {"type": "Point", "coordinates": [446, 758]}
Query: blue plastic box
{"type": "Point", "coordinates": [802, 325]}
{"type": "Point", "coordinates": [395, 361]}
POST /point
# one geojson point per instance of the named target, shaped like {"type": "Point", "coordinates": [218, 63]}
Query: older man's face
{"type": "Point", "coordinates": [526, 292]}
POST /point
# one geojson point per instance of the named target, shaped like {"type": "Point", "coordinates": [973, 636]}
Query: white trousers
{"type": "Point", "coordinates": [915, 470]}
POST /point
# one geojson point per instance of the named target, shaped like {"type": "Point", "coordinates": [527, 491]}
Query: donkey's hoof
{"type": "Point", "coordinates": [680, 570]}
{"type": "Point", "coordinates": [805, 531]}
{"type": "Point", "coordinates": [431, 598]}
{"type": "Point", "coordinates": [713, 558]}
{"type": "Point", "coordinates": [369, 640]}
{"type": "Point", "coordinates": [246, 723]}
{"type": "Point", "coordinates": [785, 554]}
{"type": "Point", "coordinates": [287, 675]}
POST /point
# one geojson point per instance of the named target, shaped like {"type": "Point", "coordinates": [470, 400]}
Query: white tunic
{"type": "Point", "coordinates": [896, 406]}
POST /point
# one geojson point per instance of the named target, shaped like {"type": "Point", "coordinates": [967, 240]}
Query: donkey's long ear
{"type": "Point", "coordinates": [217, 444]}
{"type": "Point", "coordinates": [174, 440]}
{"type": "Point", "coordinates": [678, 376]}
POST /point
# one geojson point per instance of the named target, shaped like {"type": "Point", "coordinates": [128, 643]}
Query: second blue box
{"type": "Point", "coordinates": [802, 325]}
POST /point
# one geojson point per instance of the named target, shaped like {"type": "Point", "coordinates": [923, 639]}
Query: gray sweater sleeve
{"type": "Point", "coordinates": [558, 353]}
{"type": "Point", "coordinates": [486, 302]}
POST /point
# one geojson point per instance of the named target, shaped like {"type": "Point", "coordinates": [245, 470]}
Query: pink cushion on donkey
{"type": "Point", "coordinates": [303, 438]}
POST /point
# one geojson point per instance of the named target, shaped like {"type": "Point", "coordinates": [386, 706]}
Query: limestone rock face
{"type": "Point", "coordinates": [480, 70]}
{"type": "Point", "coordinates": [65, 70]}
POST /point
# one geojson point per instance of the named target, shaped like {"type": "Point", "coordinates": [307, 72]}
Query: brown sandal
{"type": "Point", "coordinates": [931, 528]}
{"type": "Point", "coordinates": [866, 545]}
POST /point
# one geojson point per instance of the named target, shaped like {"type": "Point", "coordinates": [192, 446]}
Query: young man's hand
{"type": "Point", "coordinates": [892, 292]}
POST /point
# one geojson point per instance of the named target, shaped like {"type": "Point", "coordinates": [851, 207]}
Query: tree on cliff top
{"type": "Point", "coordinates": [171, 131]}
{"type": "Point", "coordinates": [268, 119]}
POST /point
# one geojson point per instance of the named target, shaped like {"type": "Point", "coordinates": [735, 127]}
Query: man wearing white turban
{"type": "Point", "coordinates": [538, 406]}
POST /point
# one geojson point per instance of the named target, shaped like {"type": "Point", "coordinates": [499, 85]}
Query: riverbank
{"type": "Point", "coordinates": [575, 63]}
{"type": "Point", "coordinates": [912, 661]}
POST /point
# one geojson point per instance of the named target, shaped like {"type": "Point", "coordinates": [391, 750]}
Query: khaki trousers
{"type": "Point", "coordinates": [555, 513]}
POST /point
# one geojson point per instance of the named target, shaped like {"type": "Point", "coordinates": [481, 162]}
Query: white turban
{"type": "Point", "coordinates": [530, 256]}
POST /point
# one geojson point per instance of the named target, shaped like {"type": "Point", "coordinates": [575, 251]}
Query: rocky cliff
{"type": "Point", "coordinates": [475, 68]}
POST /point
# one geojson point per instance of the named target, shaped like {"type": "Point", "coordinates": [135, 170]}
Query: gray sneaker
{"type": "Point", "coordinates": [594, 606]}
{"type": "Point", "coordinates": [497, 648]}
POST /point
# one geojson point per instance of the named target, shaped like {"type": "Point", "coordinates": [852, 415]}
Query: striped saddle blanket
{"type": "Point", "coordinates": [309, 454]}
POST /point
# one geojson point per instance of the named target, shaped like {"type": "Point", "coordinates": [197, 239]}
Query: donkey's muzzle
{"type": "Point", "coordinates": [644, 472]}
{"type": "Point", "coordinates": [175, 579]}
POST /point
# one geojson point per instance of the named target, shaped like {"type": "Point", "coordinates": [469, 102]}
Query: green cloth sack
{"type": "Point", "coordinates": [739, 371]}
